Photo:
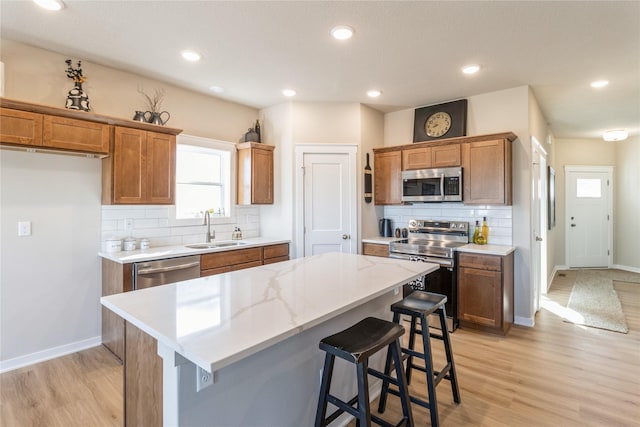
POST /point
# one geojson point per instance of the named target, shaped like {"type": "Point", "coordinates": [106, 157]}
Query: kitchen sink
{"type": "Point", "coordinates": [214, 245]}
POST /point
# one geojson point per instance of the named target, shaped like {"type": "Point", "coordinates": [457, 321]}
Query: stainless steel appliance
{"type": "Point", "coordinates": [432, 185]}
{"type": "Point", "coordinates": [385, 227]}
{"type": "Point", "coordinates": [435, 242]}
{"type": "Point", "coordinates": [164, 271]}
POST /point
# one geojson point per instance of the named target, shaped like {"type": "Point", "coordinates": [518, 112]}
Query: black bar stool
{"type": "Point", "coordinates": [355, 344]}
{"type": "Point", "coordinates": [419, 305]}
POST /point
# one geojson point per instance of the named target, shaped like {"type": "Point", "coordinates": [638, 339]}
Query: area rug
{"type": "Point", "coordinates": [594, 302]}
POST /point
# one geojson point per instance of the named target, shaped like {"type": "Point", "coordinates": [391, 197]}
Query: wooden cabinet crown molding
{"type": "Point", "coordinates": [510, 136]}
{"type": "Point", "coordinates": [81, 115]}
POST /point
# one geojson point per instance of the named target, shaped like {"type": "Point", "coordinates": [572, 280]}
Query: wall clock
{"type": "Point", "coordinates": [447, 120]}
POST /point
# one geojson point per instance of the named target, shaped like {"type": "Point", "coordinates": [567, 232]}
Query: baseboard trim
{"type": "Point", "coordinates": [625, 268]}
{"type": "Point", "coordinates": [48, 354]}
{"type": "Point", "coordinates": [524, 321]}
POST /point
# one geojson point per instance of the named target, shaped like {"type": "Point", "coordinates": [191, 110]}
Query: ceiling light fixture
{"type": "Point", "coordinates": [374, 93]}
{"type": "Point", "coordinates": [216, 89]}
{"type": "Point", "coordinates": [342, 32]}
{"type": "Point", "coordinates": [289, 93]}
{"type": "Point", "coordinates": [50, 4]}
{"type": "Point", "coordinates": [599, 84]}
{"type": "Point", "coordinates": [615, 135]}
{"type": "Point", "coordinates": [191, 55]}
{"type": "Point", "coordinates": [471, 69]}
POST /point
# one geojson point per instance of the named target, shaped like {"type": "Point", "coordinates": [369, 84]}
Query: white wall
{"type": "Point", "coordinates": [49, 281]}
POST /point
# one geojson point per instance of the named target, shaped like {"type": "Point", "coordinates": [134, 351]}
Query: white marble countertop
{"type": "Point", "coordinates": [218, 320]}
{"type": "Point", "coordinates": [162, 252]}
{"type": "Point", "coordinates": [501, 250]}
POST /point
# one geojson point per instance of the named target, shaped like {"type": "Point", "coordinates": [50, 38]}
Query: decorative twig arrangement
{"type": "Point", "coordinates": [75, 73]}
{"type": "Point", "coordinates": [153, 103]}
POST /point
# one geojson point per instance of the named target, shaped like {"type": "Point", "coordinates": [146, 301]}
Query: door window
{"type": "Point", "coordinates": [588, 188]}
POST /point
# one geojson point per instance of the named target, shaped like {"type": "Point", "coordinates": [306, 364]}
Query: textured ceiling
{"type": "Point", "coordinates": [411, 50]}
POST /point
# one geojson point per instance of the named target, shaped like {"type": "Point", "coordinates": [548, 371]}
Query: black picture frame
{"type": "Point", "coordinates": [551, 195]}
{"type": "Point", "coordinates": [456, 109]}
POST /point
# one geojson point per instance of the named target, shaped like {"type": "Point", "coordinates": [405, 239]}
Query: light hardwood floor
{"type": "Point", "coordinates": [556, 374]}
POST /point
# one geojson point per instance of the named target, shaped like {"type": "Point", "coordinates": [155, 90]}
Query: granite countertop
{"type": "Point", "coordinates": [163, 252]}
{"type": "Point", "coordinates": [218, 320]}
{"type": "Point", "coordinates": [380, 240]}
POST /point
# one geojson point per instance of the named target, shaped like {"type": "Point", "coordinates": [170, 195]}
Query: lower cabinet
{"type": "Point", "coordinates": [485, 292]}
{"type": "Point", "coordinates": [223, 262]}
{"type": "Point", "coordinates": [275, 253]}
{"type": "Point", "coordinates": [375, 249]}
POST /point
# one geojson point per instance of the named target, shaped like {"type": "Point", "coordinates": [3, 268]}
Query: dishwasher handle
{"type": "Point", "coordinates": [165, 269]}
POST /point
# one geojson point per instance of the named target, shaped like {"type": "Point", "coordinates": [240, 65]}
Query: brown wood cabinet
{"type": "Point", "coordinates": [485, 292]}
{"type": "Point", "coordinates": [75, 135]}
{"type": "Point", "coordinates": [275, 253]}
{"type": "Point", "coordinates": [142, 379]}
{"type": "Point", "coordinates": [486, 172]}
{"type": "Point", "coordinates": [375, 249]}
{"type": "Point", "coordinates": [431, 157]}
{"type": "Point", "coordinates": [141, 169]}
{"type": "Point", "coordinates": [116, 278]}
{"type": "Point", "coordinates": [255, 174]}
{"type": "Point", "coordinates": [20, 127]}
{"type": "Point", "coordinates": [387, 170]}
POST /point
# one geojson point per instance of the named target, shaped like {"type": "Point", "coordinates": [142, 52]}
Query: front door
{"type": "Point", "coordinates": [588, 216]}
{"type": "Point", "coordinates": [328, 200]}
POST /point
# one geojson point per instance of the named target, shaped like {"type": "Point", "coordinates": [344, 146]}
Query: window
{"type": "Point", "coordinates": [588, 188]}
{"type": "Point", "coordinates": [203, 180]}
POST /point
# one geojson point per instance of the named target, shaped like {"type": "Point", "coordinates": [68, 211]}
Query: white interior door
{"type": "Point", "coordinates": [329, 202]}
{"type": "Point", "coordinates": [588, 222]}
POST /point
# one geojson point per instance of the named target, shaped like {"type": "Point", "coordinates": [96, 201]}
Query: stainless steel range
{"type": "Point", "coordinates": [435, 242]}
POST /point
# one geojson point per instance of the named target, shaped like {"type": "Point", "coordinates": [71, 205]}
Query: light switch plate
{"type": "Point", "coordinates": [24, 228]}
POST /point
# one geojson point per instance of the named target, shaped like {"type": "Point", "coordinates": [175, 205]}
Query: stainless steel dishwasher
{"type": "Point", "coordinates": [164, 271]}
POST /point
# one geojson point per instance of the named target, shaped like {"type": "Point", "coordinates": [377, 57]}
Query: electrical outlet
{"type": "Point", "coordinates": [396, 291]}
{"type": "Point", "coordinates": [24, 228]}
{"type": "Point", "coordinates": [203, 378]}
{"type": "Point", "coordinates": [128, 224]}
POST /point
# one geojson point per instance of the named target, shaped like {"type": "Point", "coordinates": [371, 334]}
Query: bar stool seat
{"type": "Point", "coordinates": [355, 345]}
{"type": "Point", "coordinates": [419, 305]}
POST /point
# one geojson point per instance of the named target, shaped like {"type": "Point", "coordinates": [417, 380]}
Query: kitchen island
{"type": "Point", "coordinates": [257, 332]}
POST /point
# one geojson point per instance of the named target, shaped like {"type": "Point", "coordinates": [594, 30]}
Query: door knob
{"type": "Point", "coordinates": [573, 225]}
{"type": "Point", "coordinates": [538, 239]}
{"type": "Point", "coordinates": [345, 236]}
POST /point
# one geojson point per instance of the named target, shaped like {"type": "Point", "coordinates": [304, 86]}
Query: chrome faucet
{"type": "Point", "coordinates": [207, 221]}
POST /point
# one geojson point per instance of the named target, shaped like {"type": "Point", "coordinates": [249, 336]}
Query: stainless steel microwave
{"type": "Point", "coordinates": [432, 185]}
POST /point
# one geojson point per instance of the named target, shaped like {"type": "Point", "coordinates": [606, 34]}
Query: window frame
{"type": "Point", "coordinates": [215, 144]}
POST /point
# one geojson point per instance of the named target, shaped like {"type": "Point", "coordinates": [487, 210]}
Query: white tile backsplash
{"type": "Point", "coordinates": [499, 218]}
{"type": "Point", "coordinates": [152, 222]}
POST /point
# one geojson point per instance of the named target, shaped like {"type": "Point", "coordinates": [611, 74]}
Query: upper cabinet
{"type": "Point", "coordinates": [387, 169]}
{"type": "Point", "coordinates": [485, 162]}
{"type": "Point", "coordinates": [141, 169]}
{"type": "Point", "coordinates": [75, 135]}
{"type": "Point", "coordinates": [20, 127]}
{"type": "Point", "coordinates": [255, 174]}
{"type": "Point", "coordinates": [486, 172]}
{"type": "Point", "coordinates": [431, 157]}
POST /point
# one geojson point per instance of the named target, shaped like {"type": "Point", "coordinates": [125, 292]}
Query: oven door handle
{"type": "Point", "coordinates": [442, 185]}
{"type": "Point", "coordinates": [443, 262]}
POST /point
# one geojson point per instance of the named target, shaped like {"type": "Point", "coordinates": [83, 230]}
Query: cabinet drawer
{"type": "Point", "coordinates": [375, 249]}
{"type": "Point", "coordinates": [276, 259]}
{"type": "Point", "coordinates": [228, 268]}
{"type": "Point", "coordinates": [481, 262]}
{"type": "Point", "coordinates": [230, 258]}
{"type": "Point", "coordinates": [276, 251]}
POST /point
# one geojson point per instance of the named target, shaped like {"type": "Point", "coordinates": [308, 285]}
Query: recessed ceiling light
{"type": "Point", "coordinates": [342, 32]}
{"type": "Point", "coordinates": [471, 69]}
{"type": "Point", "coordinates": [216, 89]}
{"type": "Point", "coordinates": [191, 55]}
{"type": "Point", "coordinates": [289, 92]}
{"type": "Point", "coordinates": [599, 83]}
{"type": "Point", "coordinates": [374, 93]}
{"type": "Point", "coordinates": [50, 4]}
{"type": "Point", "coordinates": [615, 135]}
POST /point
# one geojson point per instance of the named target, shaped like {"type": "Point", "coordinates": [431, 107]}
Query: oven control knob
{"type": "Point", "coordinates": [413, 223]}
{"type": "Point", "coordinates": [454, 225]}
